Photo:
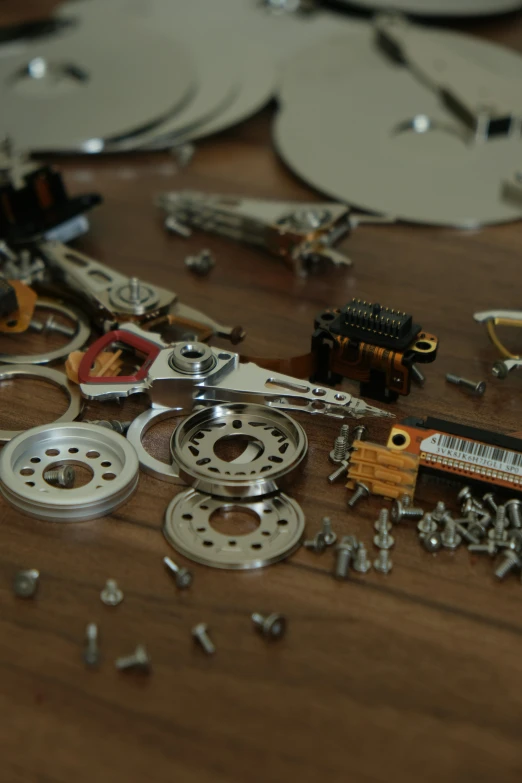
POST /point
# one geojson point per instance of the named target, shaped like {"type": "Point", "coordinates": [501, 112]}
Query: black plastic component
{"type": "Point", "coordinates": [8, 300]}
{"type": "Point", "coordinates": [370, 322]}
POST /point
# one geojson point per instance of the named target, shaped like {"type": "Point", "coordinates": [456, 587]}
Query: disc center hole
{"type": "Point", "coordinates": [234, 521]}
{"type": "Point", "coordinates": [239, 448]}
{"type": "Point", "coordinates": [82, 474]}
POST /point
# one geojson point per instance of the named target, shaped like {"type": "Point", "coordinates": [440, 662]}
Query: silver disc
{"type": "Point", "coordinates": [188, 527]}
{"type": "Point", "coordinates": [104, 81]}
{"type": "Point", "coordinates": [439, 7]}
{"type": "Point", "coordinates": [375, 137]}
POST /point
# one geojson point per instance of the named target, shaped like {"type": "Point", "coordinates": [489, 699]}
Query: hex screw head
{"type": "Point", "coordinates": [139, 660]}
{"type": "Point", "coordinates": [272, 626]}
{"type": "Point", "coordinates": [111, 595]}
{"type": "Point", "coordinates": [361, 491]}
{"type": "Point", "coordinates": [182, 576]}
{"type": "Point", "coordinates": [200, 635]}
{"type": "Point", "coordinates": [25, 583]}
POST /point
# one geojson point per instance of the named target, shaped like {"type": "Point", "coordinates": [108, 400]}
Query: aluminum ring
{"type": "Point", "coordinates": [83, 331]}
{"type": "Point", "coordinates": [107, 454]}
{"type": "Point", "coordinates": [282, 446]}
{"type": "Point", "coordinates": [188, 528]}
{"type": "Point", "coordinates": [44, 374]}
{"type": "Point", "coordinates": [148, 463]}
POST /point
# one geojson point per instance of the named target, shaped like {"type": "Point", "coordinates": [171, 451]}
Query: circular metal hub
{"type": "Point", "coordinates": [274, 446]}
{"type": "Point", "coordinates": [108, 457]}
{"type": "Point", "coordinates": [192, 358]}
{"type": "Point", "coordinates": [188, 527]}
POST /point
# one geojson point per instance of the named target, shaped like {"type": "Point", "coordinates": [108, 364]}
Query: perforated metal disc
{"type": "Point", "coordinates": [439, 7]}
{"type": "Point", "coordinates": [102, 82]}
{"type": "Point", "coordinates": [346, 128]}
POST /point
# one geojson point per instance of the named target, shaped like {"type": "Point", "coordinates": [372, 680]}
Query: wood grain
{"type": "Point", "coordinates": [413, 677]}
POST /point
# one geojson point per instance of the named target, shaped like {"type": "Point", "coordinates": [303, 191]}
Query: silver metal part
{"type": "Point", "coordinates": [139, 661]}
{"type": "Point", "coordinates": [361, 562]}
{"type": "Point", "coordinates": [281, 447]}
{"type": "Point", "coordinates": [51, 326]}
{"type": "Point", "coordinates": [25, 583]}
{"type": "Point", "coordinates": [135, 434]}
{"type": "Point", "coordinates": [188, 528]}
{"type": "Point", "coordinates": [427, 526]}
{"type": "Point", "coordinates": [202, 263]}
{"type": "Point", "coordinates": [91, 653]}
{"type": "Point", "coordinates": [490, 502]}
{"type": "Point", "coordinates": [111, 595]}
{"type": "Point", "coordinates": [62, 476]}
{"type": "Point", "coordinates": [361, 491]}
{"type": "Point", "coordinates": [344, 553]}
{"type": "Point", "coordinates": [44, 374]}
{"type": "Point", "coordinates": [449, 537]}
{"type": "Point", "coordinates": [111, 460]}
{"type": "Point", "coordinates": [82, 333]}
{"type": "Point", "coordinates": [182, 576]}
{"type": "Point", "coordinates": [339, 472]}
{"type": "Point", "coordinates": [360, 432]}
{"type": "Point", "coordinates": [121, 427]}
{"type": "Point", "coordinates": [383, 563]}
{"type": "Point", "coordinates": [509, 563]}
{"type": "Point", "coordinates": [417, 375]}
{"type": "Point", "coordinates": [338, 454]}
{"type": "Point", "coordinates": [272, 626]}
{"type": "Point", "coordinates": [326, 529]}
{"type": "Point", "coordinates": [432, 542]}
{"type": "Point", "coordinates": [316, 544]}
{"type": "Point", "coordinates": [477, 387]}
{"type": "Point", "coordinates": [383, 539]}
{"type": "Point", "coordinates": [200, 635]}
{"type": "Point", "coordinates": [400, 512]}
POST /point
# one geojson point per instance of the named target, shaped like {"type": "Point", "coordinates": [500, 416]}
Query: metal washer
{"type": "Point", "coordinates": [188, 528]}
{"type": "Point", "coordinates": [26, 458]}
{"type": "Point", "coordinates": [148, 463]}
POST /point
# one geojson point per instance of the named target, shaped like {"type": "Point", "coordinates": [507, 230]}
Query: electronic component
{"type": "Point", "coordinates": [384, 471]}
{"type": "Point", "coordinates": [445, 447]}
{"type": "Point", "coordinates": [374, 345]}
{"type": "Point", "coordinates": [492, 319]}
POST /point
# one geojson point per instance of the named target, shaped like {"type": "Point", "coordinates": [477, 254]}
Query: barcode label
{"type": "Point", "coordinates": [473, 453]}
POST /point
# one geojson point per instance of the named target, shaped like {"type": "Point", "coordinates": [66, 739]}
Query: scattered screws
{"type": "Point", "coordinates": [383, 539]}
{"type": "Point", "coordinates": [329, 536]}
{"type": "Point", "coordinates": [498, 532]}
{"type": "Point", "coordinates": [202, 263]}
{"type": "Point", "coordinates": [344, 552]}
{"type": "Point", "coordinates": [427, 525]}
{"type": "Point", "coordinates": [138, 660]}
{"type": "Point", "coordinates": [316, 544]}
{"type": "Point", "coordinates": [477, 387]}
{"type": "Point", "coordinates": [63, 476]}
{"type": "Point", "coordinates": [25, 583]}
{"type": "Point", "coordinates": [514, 511]}
{"type": "Point", "coordinates": [466, 534]}
{"type": "Point", "coordinates": [272, 626]}
{"type": "Point", "coordinates": [438, 513]}
{"type": "Point", "coordinates": [199, 632]}
{"type": "Point", "coordinates": [383, 562]}
{"type": "Point", "coordinates": [361, 562]}
{"type": "Point", "coordinates": [489, 501]}
{"type": "Point", "coordinates": [450, 538]}
{"type": "Point", "coordinates": [111, 594]}
{"type": "Point", "coordinates": [489, 548]}
{"type": "Point", "coordinates": [511, 561]}
{"type": "Point", "coordinates": [432, 542]}
{"type": "Point", "coordinates": [182, 576]}
{"type": "Point", "coordinates": [91, 655]}
{"type": "Point", "coordinates": [401, 511]}
{"type": "Point", "coordinates": [338, 454]}
{"type": "Point", "coordinates": [361, 491]}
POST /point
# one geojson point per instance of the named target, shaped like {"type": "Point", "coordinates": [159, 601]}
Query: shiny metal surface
{"type": "Point", "coordinates": [135, 433]}
{"type": "Point", "coordinates": [107, 455]}
{"type": "Point", "coordinates": [43, 374]}
{"type": "Point", "coordinates": [188, 528]}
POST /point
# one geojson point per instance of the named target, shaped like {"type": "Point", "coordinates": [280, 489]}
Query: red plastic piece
{"type": "Point", "coordinates": [150, 350]}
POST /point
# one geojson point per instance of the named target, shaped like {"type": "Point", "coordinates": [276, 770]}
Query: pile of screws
{"type": "Point", "coordinates": [343, 447]}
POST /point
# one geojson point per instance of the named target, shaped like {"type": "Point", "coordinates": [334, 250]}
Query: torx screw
{"type": "Point", "coordinates": [360, 432]}
{"type": "Point", "coordinates": [427, 526]}
{"type": "Point", "coordinates": [383, 562]}
{"type": "Point", "coordinates": [489, 500]}
{"type": "Point", "coordinates": [432, 542]}
{"type": "Point", "coordinates": [477, 387]}
{"type": "Point", "coordinates": [25, 583]}
{"type": "Point", "coordinates": [361, 562]}
{"type": "Point", "coordinates": [329, 536]}
{"type": "Point", "coordinates": [120, 427]}
{"type": "Point", "coordinates": [272, 626]}
{"type": "Point", "coordinates": [450, 538]}
{"type": "Point", "coordinates": [91, 654]}
{"type": "Point", "coordinates": [63, 476]}
{"type": "Point", "coordinates": [182, 576]}
{"type": "Point", "coordinates": [316, 544]}
{"type": "Point", "coordinates": [344, 552]}
{"type": "Point", "coordinates": [511, 561]}
{"type": "Point", "coordinates": [200, 634]}
{"type": "Point", "coordinates": [361, 491]}
{"type": "Point", "coordinates": [418, 375]}
{"type": "Point", "coordinates": [111, 595]}
{"type": "Point", "coordinates": [383, 539]}
{"type": "Point", "coordinates": [400, 511]}
{"type": "Point", "coordinates": [338, 453]}
{"type": "Point", "coordinates": [514, 511]}
{"type": "Point", "coordinates": [138, 660]}
{"type": "Point", "coordinates": [201, 263]}
{"type": "Point", "coordinates": [341, 470]}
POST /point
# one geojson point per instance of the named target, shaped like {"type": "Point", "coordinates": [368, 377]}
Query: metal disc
{"type": "Point", "coordinates": [439, 7]}
{"type": "Point", "coordinates": [188, 527]}
{"type": "Point", "coordinates": [375, 137]}
{"type": "Point", "coordinates": [76, 91]}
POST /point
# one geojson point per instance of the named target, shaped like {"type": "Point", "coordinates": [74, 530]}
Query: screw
{"type": "Point", "coordinates": [499, 370]}
{"type": "Point", "coordinates": [183, 153]}
{"type": "Point", "coordinates": [498, 532]}
{"type": "Point", "coordinates": [514, 510]}
{"type": "Point", "coordinates": [469, 502]}
{"type": "Point", "coordinates": [120, 427]}
{"type": "Point", "coordinates": [478, 387]}
{"type": "Point", "coordinates": [199, 632]}
{"type": "Point", "coordinates": [182, 576]}
{"type": "Point", "coordinates": [135, 290]}
{"type": "Point", "coordinates": [511, 560]}
{"type": "Point", "coordinates": [361, 562]}
{"type": "Point", "coordinates": [489, 501]}
{"type": "Point", "coordinates": [477, 530]}
{"type": "Point", "coordinates": [91, 655]}
{"type": "Point", "coordinates": [361, 491]}
{"type": "Point", "coordinates": [466, 534]}
{"type": "Point", "coordinates": [138, 660]}
{"type": "Point", "coordinates": [272, 626]}
{"type": "Point", "coordinates": [52, 325]}
{"type": "Point", "coordinates": [450, 538]}
{"type": "Point", "coordinates": [427, 525]}
{"type": "Point", "coordinates": [173, 226]}
{"type": "Point", "coordinates": [418, 375]}
{"type": "Point", "coordinates": [489, 548]}
{"type": "Point", "coordinates": [344, 552]}
{"type": "Point", "coordinates": [383, 562]}
{"type": "Point", "coordinates": [63, 476]}
{"type": "Point", "coordinates": [316, 544]}
{"type": "Point", "coordinates": [201, 263]}
{"type": "Point", "coordinates": [515, 539]}
{"type": "Point", "coordinates": [432, 542]}
{"type": "Point", "coordinates": [342, 469]}
{"type": "Point", "coordinates": [111, 594]}
{"type": "Point", "coordinates": [338, 453]}
{"type": "Point", "coordinates": [400, 511]}
{"type": "Point", "coordinates": [360, 433]}
{"type": "Point", "coordinates": [440, 510]}
{"type": "Point", "coordinates": [383, 540]}
{"type": "Point", "coordinates": [25, 583]}
{"type": "Point", "coordinates": [329, 536]}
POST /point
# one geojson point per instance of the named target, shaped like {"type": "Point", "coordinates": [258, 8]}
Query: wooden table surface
{"type": "Point", "coordinates": [414, 676]}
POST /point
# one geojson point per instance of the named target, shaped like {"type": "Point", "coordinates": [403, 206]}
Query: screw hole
{"type": "Point", "coordinates": [109, 476]}
{"type": "Point", "coordinates": [51, 453]}
{"type": "Point", "coordinates": [106, 464]}
{"type": "Point", "coordinates": [92, 454]}
{"type": "Point", "coordinates": [27, 472]}
{"type": "Point", "coordinates": [187, 516]}
{"type": "Point", "coordinates": [34, 460]}
{"type": "Point", "coordinates": [282, 522]}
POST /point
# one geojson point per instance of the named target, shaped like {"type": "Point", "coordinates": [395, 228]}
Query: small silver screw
{"type": "Point", "coordinates": [450, 538]}
{"type": "Point", "coordinates": [383, 563]}
{"type": "Point", "coordinates": [361, 491]}
{"type": "Point", "coordinates": [360, 433]}
{"type": "Point", "coordinates": [489, 548]}
{"type": "Point", "coordinates": [338, 453]}
{"type": "Point", "coordinates": [52, 325]}
{"type": "Point", "coordinates": [477, 529]}
{"type": "Point", "coordinates": [383, 539]}
{"type": "Point", "coordinates": [499, 532]}
{"type": "Point", "coordinates": [135, 290]}
{"type": "Point", "coordinates": [63, 476]}
{"type": "Point", "coordinates": [340, 471]}
{"type": "Point", "coordinates": [329, 536]}
{"type": "Point", "coordinates": [201, 263]}
{"type": "Point", "coordinates": [316, 544]}
{"type": "Point", "coordinates": [490, 502]}
{"type": "Point", "coordinates": [511, 561]}
{"type": "Point", "coordinates": [514, 511]}
{"type": "Point", "coordinates": [120, 427]}
{"type": "Point", "coordinates": [344, 553]}
{"type": "Point", "coordinates": [182, 576]}
{"type": "Point", "coordinates": [466, 534]}
{"type": "Point", "coordinates": [477, 387]}
{"type": "Point", "coordinates": [91, 654]}
{"type": "Point", "coordinates": [111, 595]}
{"type": "Point", "coordinates": [432, 542]}
{"type": "Point", "coordinates": [173, 226]}
{"type": "Point", "coordinates": [418, 375]}
{"type": "Point", "coordinates": [200, 634]}
{"type": "Point", "coordinates": [25, 583]}
{"type": "Point", "coordinates": [138, 660]}
{"type": "Point", "coordinates": [361, 562]}
{"type": "Point", "coordinates": [400, 511]}
{"type": "Point", "coordinates": [439, 511]}
{"type": "Point", "coordinates": [273, 626]}
{"type": "Point", "coordinates": [427, 525]}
